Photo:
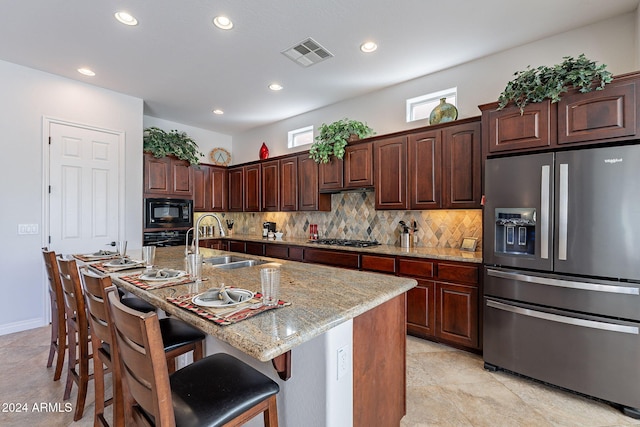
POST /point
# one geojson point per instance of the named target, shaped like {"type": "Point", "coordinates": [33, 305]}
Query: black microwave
{"type": "Point", "coordinates": [168, 213]}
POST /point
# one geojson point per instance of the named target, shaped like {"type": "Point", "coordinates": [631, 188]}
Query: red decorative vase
{"type": "Point", "coordinates": [264, 152]}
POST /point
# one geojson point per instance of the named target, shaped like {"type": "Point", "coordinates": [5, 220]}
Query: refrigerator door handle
{"type": "Point", "coordinates": [544, 212]}
{"type": "Point", "coordinates": [571, 284]}
{"type": "Point", "coordinates": [613, 327]}
{"type": "Point", "coordinates": [563, 211]}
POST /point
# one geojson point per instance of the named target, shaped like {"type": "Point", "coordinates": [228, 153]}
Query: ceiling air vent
{"type": "Point", "coordinates": [307, 52]}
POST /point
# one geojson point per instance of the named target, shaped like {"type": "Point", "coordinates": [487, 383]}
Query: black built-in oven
{"type": "Point", "coordinates": [165, 213]}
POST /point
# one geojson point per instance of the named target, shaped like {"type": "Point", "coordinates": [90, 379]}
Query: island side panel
{"type": "Point", "coordinates": [379, 365]}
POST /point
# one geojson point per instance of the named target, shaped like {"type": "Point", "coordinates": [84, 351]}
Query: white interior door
{"type": "Point", "coordinates": [84, 170]}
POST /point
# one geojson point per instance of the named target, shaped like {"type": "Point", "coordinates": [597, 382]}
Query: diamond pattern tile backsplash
{"type": "Point", "coordinates": [353, 216]}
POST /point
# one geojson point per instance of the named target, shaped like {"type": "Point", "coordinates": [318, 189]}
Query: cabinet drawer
{"type": "Point", "coordinates": [459, 273]}
{"type": "Point", "coordinates": [410, 267]}
{"type": "Point", "coordinates": [254, 248]}
{"type": "Point", "coordinates": [277, 251]}
{"type": "Point", "coordinates": [334, 258]}
{"type": "Point", "coordinates": [296, 253]}
{"type": "Point", "coordinates": [378, 263]}
{"type": "Point", "coordinates": [236, 246]}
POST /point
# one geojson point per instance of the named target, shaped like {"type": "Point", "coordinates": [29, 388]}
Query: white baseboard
{"type": "Point", "coordinates": [22, 326]}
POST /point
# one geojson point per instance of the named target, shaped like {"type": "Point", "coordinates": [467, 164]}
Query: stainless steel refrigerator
{"type": "Point", "coordinates": [562, 270]}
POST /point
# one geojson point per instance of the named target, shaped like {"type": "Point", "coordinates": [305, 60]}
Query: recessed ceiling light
{"type": "Point", "coordinates": [275, 86]}
{"type": "Point", "coordinates": [126, 18]}
{"type": "Point", "coordinates": [217, 111]}
{"type": "Point", "coordinates": [86, 72]}
{"type": "Point", "coordinates": [223, 22]}
{"type": "Point", "coordinates": [368, 47]}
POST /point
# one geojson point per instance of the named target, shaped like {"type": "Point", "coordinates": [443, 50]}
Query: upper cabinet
{"type": "Point", "coordinates": [599, 116]}
{"type": "Point", "coordinates": [252, 188]}
{"type": "Point", "coordinates": [210, 188]}
{"type": "Point", "coordinates": [355, 170]}
{"type": "Point", "coordinates": [430, 169]}
{"type": "Point", "coordinates": [270, 186]}
{"type": "Point", "coordinates": [236, 189]}
{"type": "Point", "coordinates": [309, 197]}
{"type": "Point", "coordinates": [167, 177]}
{"type": "Point", "coordinates": [390, 166]}
{"type": "Point", "coordinates": [288, 184]}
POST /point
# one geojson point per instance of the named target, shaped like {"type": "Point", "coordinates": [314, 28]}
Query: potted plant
{"type": "Point", "coordinates": [332, 138]}
{"type": "Point", "coordinates": [538, 84]}
{"type": "Point", "coordinates": [161, 144]}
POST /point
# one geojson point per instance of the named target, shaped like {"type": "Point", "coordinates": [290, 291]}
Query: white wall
{"type": "Point", "coordinates": [612, 42]}
{"type": "Point", "coordinates": [27, 96]}
{"type": "Point", "coordinates": [206, 140]}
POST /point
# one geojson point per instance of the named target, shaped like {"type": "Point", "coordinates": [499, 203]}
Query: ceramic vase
{"type": "Point", "coordinates": [264, 152]}
{"type": "Point", "coordinates": [444, 112]}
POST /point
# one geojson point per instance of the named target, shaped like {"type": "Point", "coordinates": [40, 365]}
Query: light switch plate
{"type": "Point", "coordinates": [28, 229]}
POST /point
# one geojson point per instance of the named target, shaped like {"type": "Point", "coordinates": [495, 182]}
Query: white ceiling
{"type": "Point", "coordinates": [183, 67]}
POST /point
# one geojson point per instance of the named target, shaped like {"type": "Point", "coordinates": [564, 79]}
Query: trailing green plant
{"type": "Point", "coordinates": [538, 84]}
{"type": "Point", "coordinates": [333, 138]}
{"type": "Point", "coordinates": [161, 144]}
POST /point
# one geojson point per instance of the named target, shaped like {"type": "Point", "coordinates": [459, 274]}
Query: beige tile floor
{"type": "Point", "coordinates": [445, 387]}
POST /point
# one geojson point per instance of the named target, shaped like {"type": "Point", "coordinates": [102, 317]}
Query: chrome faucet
{"type": "Point", "coordinates": [186, 243]}
{"type": "Point", "coordinates": [197, 227]}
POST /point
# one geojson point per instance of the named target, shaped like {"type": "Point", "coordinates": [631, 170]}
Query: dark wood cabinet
{"type": "Point", "coordinates": [445, 167]}
{"type": "Point", "coordinates": [331, 257]}
{"type": "Point", "coordinates": [425, 166]}
{"type": "Point", "coordinates": [270, 186]}
{"type": "Point", "coordinates": [254, 248]}
{"type": "Point", "coordinates": [167, 177]}
{"type": "Point", "coordinates": [331, 175]}
{"type": "Point", "coordinates": [309, 197]}
{"type": "Point", "coordinates": [289, 184]}
{"type": "Point", "coordinates": [358, 165]}
{"type": "Point", "coordinates": [209, 188]}
{"type": "Point", "coordinates": [445, 304]}
{"type": "Point", "coordinates": [461, 166]}
{"type": "Point", "coordinates": [599, 116]}
{"type": "Point", "coordinates": [355, 170]}
{"type": "Point", "coordinates": [236, 189]}
{"type": "Point", "coordinates": [276, 251]}
{"type": "Point", "coordinates": [390, 167]}
{"type": "Point", "coordinates": [383, 264]}
{"type": "Point", "coordinates": [252, 188]}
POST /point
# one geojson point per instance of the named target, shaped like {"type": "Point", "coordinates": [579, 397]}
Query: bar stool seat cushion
{"type": "Point", "coordinates": [138, 304]}
{"type": "Point", "coordinates": [216, 389]}
{"type": "Point", "coordinates": [175, 333]}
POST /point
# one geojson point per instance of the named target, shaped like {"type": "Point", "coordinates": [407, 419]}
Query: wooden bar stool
{"type": "Point", "coordinates": [58, 320]}
{"type": "Point", "coordinates": [178, 338]}
{"type": "Point", "coordinates": [215, 391]}
{"type": "Point", "coordinates": [77, 334]}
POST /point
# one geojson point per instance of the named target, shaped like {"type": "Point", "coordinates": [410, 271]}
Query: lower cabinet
{"type": "Point", "coordinates": [445, 304]}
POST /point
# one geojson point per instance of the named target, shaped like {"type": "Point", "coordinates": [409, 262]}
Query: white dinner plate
{"type": "Point", "coordinates": [100, 254]}
{"type": "Point", "coordinates": [118, 263]}
{"type": "Point", "coordinates": [219, 303]}
{"type": "Point", "coordinates": [168, 274]}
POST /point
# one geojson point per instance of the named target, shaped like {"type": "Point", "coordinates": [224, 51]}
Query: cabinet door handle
{"type": "Point", "coordinates": [612, 327]}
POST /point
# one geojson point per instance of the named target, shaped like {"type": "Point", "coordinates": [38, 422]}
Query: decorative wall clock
{"type": "Point", "coordinates": [220, 156]}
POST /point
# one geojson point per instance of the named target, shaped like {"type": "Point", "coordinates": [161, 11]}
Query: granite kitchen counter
{"type": "Point", "coordinates": [448, 254]}
{"type": "Point", "coordinates": [321, 298]}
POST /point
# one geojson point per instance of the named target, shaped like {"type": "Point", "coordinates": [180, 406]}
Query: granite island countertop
{"type": "Point", "coordinates": [448, 254]}
{"type": "Point", "coordinates": [322, 297]}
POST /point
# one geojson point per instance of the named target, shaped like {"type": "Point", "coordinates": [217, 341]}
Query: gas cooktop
{"type": "Point", "coordinates": [346, 242]}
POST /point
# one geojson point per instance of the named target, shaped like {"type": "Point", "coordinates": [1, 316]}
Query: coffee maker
{"type": "Point", "coordinates": [268, 227]}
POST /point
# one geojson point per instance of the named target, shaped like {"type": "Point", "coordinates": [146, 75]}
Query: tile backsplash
{"type": "Point", "coordinates": [353, 216]}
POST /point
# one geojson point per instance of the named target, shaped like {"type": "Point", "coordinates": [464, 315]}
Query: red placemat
{"type": "Point", "coordinates": [184, 301]}
{"type": "Point", "coordinates": [91, 258]}
{"type": "Point", "coordinates": [102, 268]}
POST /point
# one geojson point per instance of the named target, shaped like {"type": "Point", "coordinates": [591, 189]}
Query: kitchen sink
{"type": "Point", "coordinates": [230, 262]}
{"type": "Point", "coordinates": [239, 264]}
